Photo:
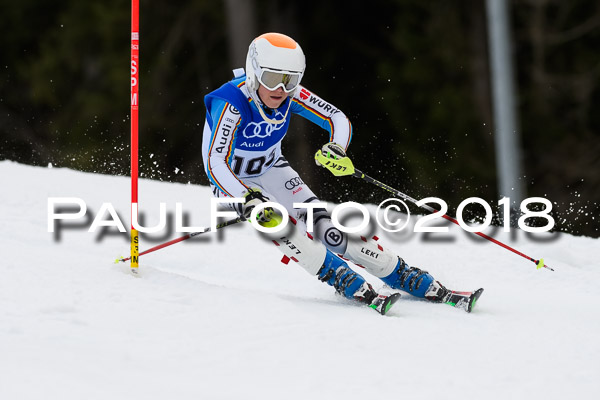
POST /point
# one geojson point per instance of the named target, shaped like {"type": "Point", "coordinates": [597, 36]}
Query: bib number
{"type": "Point", "coordinates": [253, 166]}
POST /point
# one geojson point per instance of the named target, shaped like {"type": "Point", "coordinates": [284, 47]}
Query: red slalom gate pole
{"type": "Point", "coordinates": [358, 174]}
{"type": "Point", "coordinates": [135, 82]}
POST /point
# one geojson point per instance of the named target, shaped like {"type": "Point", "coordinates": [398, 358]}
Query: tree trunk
{"type": "Point", "coordinates": [241, 30]}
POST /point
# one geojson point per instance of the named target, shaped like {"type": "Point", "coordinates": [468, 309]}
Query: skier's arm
{"type": "Point", "coordinates": [225, 121]}
{"type": "Point", "coordinates": [333, 154]}
{"type": "Point", "coordinates": [315, 109]}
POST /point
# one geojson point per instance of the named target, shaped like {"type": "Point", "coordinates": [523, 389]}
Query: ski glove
{"type": "Point", "coordinates": [333, 157]}
{"type": "Point", "coordinates": [253, 198]}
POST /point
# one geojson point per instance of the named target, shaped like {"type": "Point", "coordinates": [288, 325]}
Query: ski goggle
{"type": "Point", "coordinates": [272, 79]}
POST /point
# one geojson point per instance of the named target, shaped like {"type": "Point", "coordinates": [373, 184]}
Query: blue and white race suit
{"type": "Point", "coordinates": [241, 150]}
{"type": "Point", "coordinates": [237, 142]}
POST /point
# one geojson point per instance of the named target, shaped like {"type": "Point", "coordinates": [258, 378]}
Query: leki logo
{"type": "Point", "coordinates": [304, 94]}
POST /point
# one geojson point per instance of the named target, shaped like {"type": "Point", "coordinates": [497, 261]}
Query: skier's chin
{"type": "Point", "coordinates": [275, 101]}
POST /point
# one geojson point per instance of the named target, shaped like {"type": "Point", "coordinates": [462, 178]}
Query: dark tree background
{"type": "Point", "coordinates": [413, 77]}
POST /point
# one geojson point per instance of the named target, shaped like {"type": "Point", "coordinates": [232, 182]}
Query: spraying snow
{"type": "Point", "coordinates": [219, 317]}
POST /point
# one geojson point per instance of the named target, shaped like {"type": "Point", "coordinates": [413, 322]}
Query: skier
{"type": "Point", "coordinates": [246, 120]}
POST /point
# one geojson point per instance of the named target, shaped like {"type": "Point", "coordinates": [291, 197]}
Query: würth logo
{"type": "Point", "coordinates": [304, 94]}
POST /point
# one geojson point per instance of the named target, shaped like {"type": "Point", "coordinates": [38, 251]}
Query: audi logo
{"type": "Point", "coordinates": [294, 182]}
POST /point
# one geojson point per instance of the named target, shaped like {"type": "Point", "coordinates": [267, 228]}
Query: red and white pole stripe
{"type": "Point", "coordinates": [135, 85]}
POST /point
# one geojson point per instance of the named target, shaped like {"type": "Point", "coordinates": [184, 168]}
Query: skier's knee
{"type": "Point", "coordinates": [300, 248]}
{"type": "Point", "coordinates": [371, 255]}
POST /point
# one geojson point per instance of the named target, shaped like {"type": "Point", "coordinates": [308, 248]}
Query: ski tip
{"type": "Point", "coordinates": [389, 302]}
{"type": "Point", "coordinates": [473, 299]}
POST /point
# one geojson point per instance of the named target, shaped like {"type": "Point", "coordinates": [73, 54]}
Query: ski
{"type": "Point", "coordinates": [383, 303]}
{"type": "Point", "coordinates": [462, 300]}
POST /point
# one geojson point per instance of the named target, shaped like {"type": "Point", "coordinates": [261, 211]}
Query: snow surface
{"type": "Point", "coordinates": [219, 317]}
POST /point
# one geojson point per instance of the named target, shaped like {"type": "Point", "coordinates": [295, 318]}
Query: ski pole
{"type": "Point", "coordinates": [182, 238]}
{"type": "Point", "coordinates": [358, 174]}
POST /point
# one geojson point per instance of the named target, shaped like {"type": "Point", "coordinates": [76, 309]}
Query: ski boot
{"type": "Point", "coordinates": [420, 283]}
{"type": "Point", "coordinates": [377, 301]}
{"type": "Point", "coordinates": [409, 279]}
{"type": "Point", "coordinates": [437, 293]}
{"type": "Point", "coordinates": [335, 272]}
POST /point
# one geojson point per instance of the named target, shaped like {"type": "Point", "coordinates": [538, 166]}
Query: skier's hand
{"type": "Point", "coordinates": [253, 198]}
{"type": "Point", "coordinates": [333, 157]}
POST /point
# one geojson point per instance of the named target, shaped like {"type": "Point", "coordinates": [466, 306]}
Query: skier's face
{"type": "Point", "coordinates": [272, 98]}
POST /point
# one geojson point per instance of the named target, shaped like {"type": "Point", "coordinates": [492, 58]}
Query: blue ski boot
{"type": "Point", "coordinates": [335, 272]}
{"type": "Point", "coordinates": [420, 284]}
{"type": "Point", "coordinates": [414, 281]}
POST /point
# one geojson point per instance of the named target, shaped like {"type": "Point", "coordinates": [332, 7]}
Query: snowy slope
{"type": "Point", "coordinates": [219, 317]}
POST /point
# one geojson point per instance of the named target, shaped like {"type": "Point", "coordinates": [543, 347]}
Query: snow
{"type": "Point", "coordinates": [219, 317]}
